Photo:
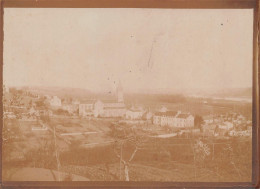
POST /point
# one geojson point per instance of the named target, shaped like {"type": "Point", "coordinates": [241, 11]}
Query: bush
{"type": "Point", "coordinates": [61, 112]}
{"type": "Point", "coordinates": [45, 118]}
{"type": "Point", "coordinates": [42, 157]}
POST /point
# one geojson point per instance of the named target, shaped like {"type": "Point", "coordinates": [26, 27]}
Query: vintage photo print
{"type": "Point", "coordinates": [127, 94]}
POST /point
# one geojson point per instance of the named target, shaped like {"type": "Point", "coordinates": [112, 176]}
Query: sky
{"type": "Point", "coordinates": [144, 49]}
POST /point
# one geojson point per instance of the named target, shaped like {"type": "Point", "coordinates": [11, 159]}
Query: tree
{"type": "Point", "coordinates": [40, 103]}
{"type": "Point", "coordinates": [61, 112]}
{"type": "Point", "coordinates": [198, 121]}
{"type": "Point", "coordinates": [236, 158]}
{"type": "Point", "coordinates": [127, 138]}
{"type": "Point", "coordinates": [45, 118]}
{"type": "Point", "coordinates": [202, 151]}
{"type": "Point", "coordinates": [10, 134]}
{"type": "Point", "coordinates": [43, 156]}
{"type": "Point", "coordinates": [30, 103]}
{"type": "Point", "coordinates": [16, 99]}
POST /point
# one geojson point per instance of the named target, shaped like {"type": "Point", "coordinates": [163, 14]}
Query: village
{"type": "Point", "coordinates": [48, 124]}
{"type": "Point", "coordinates": [34, 107]}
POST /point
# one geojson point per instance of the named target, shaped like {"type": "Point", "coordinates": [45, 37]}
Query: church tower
{"type": "Point", "coordinates": [120, 95]}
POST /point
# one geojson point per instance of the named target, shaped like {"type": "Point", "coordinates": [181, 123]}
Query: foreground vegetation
{"type": "Point", "coordinates": [140, 157]}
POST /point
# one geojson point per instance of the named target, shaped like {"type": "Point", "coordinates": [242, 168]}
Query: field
{"type": "Point", "coordinates": [168, 163]}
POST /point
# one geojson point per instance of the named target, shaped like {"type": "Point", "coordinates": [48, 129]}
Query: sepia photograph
{"type": "Point", "coordinates": [127, 94]}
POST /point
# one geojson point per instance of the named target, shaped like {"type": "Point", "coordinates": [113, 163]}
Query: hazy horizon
{"type": "Point", "coordinates": [245, 92]}
{"type": "Point", "coordinates": [146, 49]}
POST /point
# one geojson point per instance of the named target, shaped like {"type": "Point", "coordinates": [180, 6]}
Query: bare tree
{"type": "Point", "coordinates": [132, 138]}
{"type": "Point", "coordinates": [200, 152]}
{"type": "Point", "coordinates": [231, 158]}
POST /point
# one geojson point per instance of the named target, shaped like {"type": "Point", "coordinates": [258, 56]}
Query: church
{"type": "Point", "coordinates": [102, 108]}
{"type": "Point", "coordinates": [111, 108]}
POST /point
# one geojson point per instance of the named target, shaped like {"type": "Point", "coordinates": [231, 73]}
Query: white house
{"type": "Point", "coordinates": [173, 119]}
{"type": "Point", "coordinates": [76, 102]}
{"type": "Point", "coordinates": [226, 125]}
{"type": "Point", "coordinates": [109, 109]}
{"type": "Point", "coordinates": [33, 112]}
{"type": "Point", "coordinates": [148, 115]}
{"type": "Point", "coordinates": [55, 101]}
{"type": "Point", "coordinates": [86, 109]}
{"type": "Point", "coordinates": [71, 108]}
{"type": "Point", "coordinates": [240, 133]}
{"type": "Point", "coordinates": [208, 119]}
{"type": "Point", "coordinates": [6, 89]}
{"type": "Point", "coordinates": [163, 109]}
{"type": "Point", "coordinates": [134, 113]}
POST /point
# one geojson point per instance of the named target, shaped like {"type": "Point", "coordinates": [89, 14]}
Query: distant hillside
{"type": "Point", "coordinates": [154, 98]}
{"type": "Point", "coordinates": [61, 92]}
{"type": "Point", "coordinates": [222, 93]}
{"type": "Point", "coordinates": [65, 92]}
{"type": "Point", "coordinates": [235, 92]}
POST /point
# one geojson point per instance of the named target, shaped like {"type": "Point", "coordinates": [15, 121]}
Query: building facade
{"type": "Point", "coordinates": [134, 113]}
{"type": "Point", "coordinates": [55, 101]}
{"type": "Point", "coordinates": [101, 108]}
{"type": "Point", "coordinates": [173, 119]}
{"type": "Point", "coordinates": [86, 109]}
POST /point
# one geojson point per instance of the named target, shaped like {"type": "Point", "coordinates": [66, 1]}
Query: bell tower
{"type": "Point", "coordinates": [120, 94]}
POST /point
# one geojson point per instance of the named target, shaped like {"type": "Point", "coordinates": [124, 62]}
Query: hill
{"type": "Point", "coordinates": [235, 92]}
{"type": "Point", "coordinates": [63, 92]}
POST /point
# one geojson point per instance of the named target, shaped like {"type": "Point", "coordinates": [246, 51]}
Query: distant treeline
{"type": "Point", "coordinates": [148, 98]}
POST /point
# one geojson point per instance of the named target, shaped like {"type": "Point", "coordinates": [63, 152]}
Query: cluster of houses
{"type": "Point", "coordinates": [105, 108]}
{"type": "Point", "coordinates": [56, 103]}
{"type": "Point", "coordinates": [110, 109]}
{"type": "Point", "coordinates": [230, 124]}
{"type": "Point", "coordinates": [173, 118]}
{"type": "Point", "coordinates": [118, 109]}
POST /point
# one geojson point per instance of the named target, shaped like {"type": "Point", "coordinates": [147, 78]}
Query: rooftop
{"type": "Point", "coordinates": [91, 101]}
{"type": "Point", "coordinates": [183, 116]}
{"type": "Point", "coordinates": [167, 113]}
